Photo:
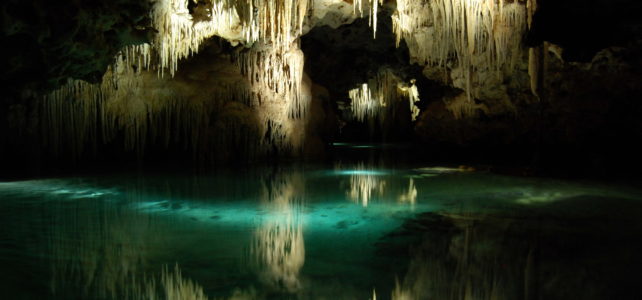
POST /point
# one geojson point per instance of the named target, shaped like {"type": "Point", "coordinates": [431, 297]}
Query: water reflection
{"type": "Point", "coordinates": [365, 185]}
{"type": "Point", "coordinates": [278, 246]}
{"type": "Point", "coordinates": [335, 233]}
{"type": "Point", "coordinates": [410, 195]}
{"type": "Point", "coordinates": [368, 182]}
{"type": "Point", "coordinates": [533, 254]}
{"type": "Point", "coordinates": [98, 249]}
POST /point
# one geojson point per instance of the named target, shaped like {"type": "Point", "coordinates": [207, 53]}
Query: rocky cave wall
{"type": "Point", "coordinates": [585, 116]}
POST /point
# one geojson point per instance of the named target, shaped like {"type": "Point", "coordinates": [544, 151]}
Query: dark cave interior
{"type": "Point", "coordinates": [321, 149]}
{"type": "Point", "coordinates": [587, 120]}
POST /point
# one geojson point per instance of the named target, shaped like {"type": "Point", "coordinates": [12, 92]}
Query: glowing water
{"type": "Point", "coordinates": [299, 233]}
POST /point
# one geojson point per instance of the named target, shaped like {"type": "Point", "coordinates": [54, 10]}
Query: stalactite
{"type": "Point", "coordinates": [70, 117]}
{"type": "Point", "coordinates": [380, 94]}
{"type": "Point", "coordinates": [372, 98]}
{"type": "Point", "coordinates": [273, 65]}
{"type": "Point", "coordinates": [132, 103]}
{"type": "Point", "coordinates": [412, 94]}
{"type": "Point", "coordinates": [373, 7]}
{"type": "Point", "coordinates": [179, 36]}
{"type": "Point", "coordinates": [466, 35]}
{"type": "Point", "coordinates": [276, 77]}
{"type": "Point", "coordinates": [363, 105]}
{"type": "Point", "coordinates": [469, 35]}
{"type": "Point", "coordinates": [534, 54]}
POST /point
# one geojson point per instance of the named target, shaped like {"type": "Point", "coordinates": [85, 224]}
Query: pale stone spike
{"type": "Point", "coordinates": [380, 94]}
{"type": "Point", "coordinates": [472, 35]}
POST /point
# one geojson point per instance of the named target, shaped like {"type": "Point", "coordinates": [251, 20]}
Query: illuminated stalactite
{"type": "Point", "coordinates": [136, 104]}
{"type": "Point", "coordinates": [412, 94]}
{"type": "Point", "coordinates": [371, 7]}
{"type": "Point", "coordinates": [464, 36]}
{"type": "Point", "coordinates": [179, 36]}
{"type": "Point", "coordinates": [372, 98]}
{"type": "Point", "coordinates": [123, 101]}
{"type": "Point", "coordinates": [363, 104]}
{"type": "Point", "coordinates": [279, 72]}
{"type": "Point", "coordinates": [470, 35]}
{"type": "Point", "coordinates": [381, 94]}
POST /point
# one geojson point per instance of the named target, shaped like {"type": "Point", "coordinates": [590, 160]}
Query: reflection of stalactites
{"type": "Point", "coordinates": [410, 196]}
{"type": "Point", "coordinates": [468, 262]}
{"type": "Point", "coordinates": [278, 246]}
{"type": "Point", "coordinates": [177, 287]}
{"type": "Point", "coordinates": [364, 185]}
{"type": "Point", "coordinates": [280, 253]}
{"type": "Point", "coordinates": [98, 255]}
{"type": "Point", "coordinates": [171, 285]}
{"type": "Point", "coordinates": [400, 293]}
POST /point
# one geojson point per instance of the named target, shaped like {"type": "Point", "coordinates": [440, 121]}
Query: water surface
{"type": "Point", "coordinates": [346, 231]}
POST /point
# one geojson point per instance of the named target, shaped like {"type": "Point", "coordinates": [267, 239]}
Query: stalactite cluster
{"type": "Point", "coordinates": [371, 7]}
{"type": "Point", "coordinates": [138, 106]}
{"type": "Point", "coordinates": [381, 94]}
{"type": "Point", "coordinates": [464, 36]}
{"type": "Point", "coordinates": [273, 65]}
{"type": "Point", "coordinates": [469, 36]}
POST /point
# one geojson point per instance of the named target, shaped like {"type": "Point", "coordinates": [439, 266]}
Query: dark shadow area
{"type": "Point", "coordinates": [581, 247]}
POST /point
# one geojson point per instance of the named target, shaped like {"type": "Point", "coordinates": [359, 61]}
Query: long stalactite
{"type": "Point", "coordinates": [134, 99]}
{"type": "Point", "coordinates": [467, 36]}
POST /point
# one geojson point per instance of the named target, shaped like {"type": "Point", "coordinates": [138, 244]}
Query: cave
{"type": "Point", "coordinates": [319, 149]}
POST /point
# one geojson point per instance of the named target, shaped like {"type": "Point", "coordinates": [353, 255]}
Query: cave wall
{"type": "Point", "coordinates": [207, 114]}
{"type": "Point", "coordinates": [587, 116]}
{"type": "Point", "coordinates": [47, 42]}
{"type": "Point", "coordinates": [586, 113]}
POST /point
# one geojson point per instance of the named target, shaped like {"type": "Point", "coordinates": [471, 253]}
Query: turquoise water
{"type": "Point", "coordinates": [347, 231]}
